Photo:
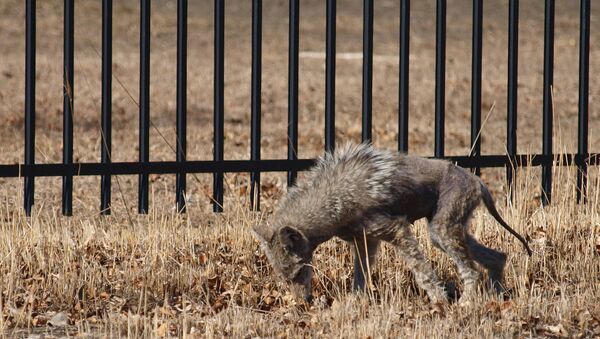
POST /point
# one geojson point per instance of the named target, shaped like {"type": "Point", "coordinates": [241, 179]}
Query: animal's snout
{"type": "Point", "coordinates": [302, 283]}
{"type": "Point", "coordinates": [301, 291]}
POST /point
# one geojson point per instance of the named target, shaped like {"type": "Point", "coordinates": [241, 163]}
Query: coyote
{"type": "Point", "coordinates": [364, 196]}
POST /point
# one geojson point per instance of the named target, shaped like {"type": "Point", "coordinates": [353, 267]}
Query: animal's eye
{"type": "Point", "coordinates": [294, 237]}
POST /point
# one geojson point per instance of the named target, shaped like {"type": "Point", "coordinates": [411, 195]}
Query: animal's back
{"type": "Point", "coordinates": [355, 169]}
{"type": "Point", "coordinates": [342, 183]}
{"type": "Point", "coordinates": [382, 179]}
{"type": "Point", "coordinates": [357, 179]}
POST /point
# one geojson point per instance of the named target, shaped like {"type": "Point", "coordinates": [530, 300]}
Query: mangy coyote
{"type": "Point", "coordinates": [364, 196]}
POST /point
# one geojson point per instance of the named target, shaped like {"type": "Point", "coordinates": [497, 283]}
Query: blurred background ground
{"type": "Point", "coordinates": [274, 95]}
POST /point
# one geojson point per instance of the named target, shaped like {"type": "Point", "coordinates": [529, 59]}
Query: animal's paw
{"type": "Point", "coordinates": [438, 308]}
{"type": "Point", "coordinates": [498, 289]}
{"type": "Point", "coordinates": [465, 302]}
{"type": "Point", "coordinates": [506, 293]}
{"type": "Point", "coordinates": [469, 298]}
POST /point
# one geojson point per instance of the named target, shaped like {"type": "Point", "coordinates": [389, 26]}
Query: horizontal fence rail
{"type": "Point", "coordinates": [265, 165]}
{"type": "Point", "coordinates": [255, 165]}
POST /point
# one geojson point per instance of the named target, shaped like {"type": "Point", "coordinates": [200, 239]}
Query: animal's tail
{"type": "Point", "coordinates": [491, 207]}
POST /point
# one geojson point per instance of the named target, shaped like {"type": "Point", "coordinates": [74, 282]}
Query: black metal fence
{"type": "Point", "coordinates": [218, 166]}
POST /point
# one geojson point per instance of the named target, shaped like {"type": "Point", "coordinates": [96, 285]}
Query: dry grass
{"type": "Point", "coordinates": [201, 274]}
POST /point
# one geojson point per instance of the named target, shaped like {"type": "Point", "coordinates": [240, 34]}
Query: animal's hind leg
{"type": "Point", "coordinates": [459, 196]}
{"type": "Point", "coordinates": [408, 246]}
{"type": "Point", "coordinates": [451, 238]}
{"type": "Point", "coordinates": [493, 261]}
{"type": "Point", "coordinates": [365, 250]}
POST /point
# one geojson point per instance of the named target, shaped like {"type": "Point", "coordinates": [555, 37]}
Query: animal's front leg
{"type": "Point", "coordinates": [365, 251]}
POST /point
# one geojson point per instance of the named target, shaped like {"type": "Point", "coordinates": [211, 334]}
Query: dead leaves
{"type": "Point", "coordinates": [502, 309]}
{"type": "Point", "coordinates": [202, 258]}
{"type": "Point", "coordinates": [216, 277]}
{"type": "Point", "coordinates": [583, 323]}
{"type": "Point", "coordinates": [60, 319]}
{"type": "Point", "coordinates": [553, 331]}
{"type": "Point", "coordinates": [21, 317]}
{"type": "Point", "coordinates": [162, 330]}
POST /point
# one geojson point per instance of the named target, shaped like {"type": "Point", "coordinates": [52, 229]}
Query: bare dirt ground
{"type": "Point", "coordinates": [202, 274]}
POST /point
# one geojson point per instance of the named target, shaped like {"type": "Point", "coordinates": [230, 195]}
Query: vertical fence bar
{"type": "Point", "coordinates": [294, 39]}
{"type": "Point", "coordinates": [403, 76]}
{"type": "Point", "coordinates": [255, 105]}
{"type": "Point", "coordinates": [68, 93]}
{"type": "Point", "coordinates": [106, 109]}
{"type": "Point", "coordinates": [180, 179]}
{"type": "Point", "coordinates": [330, 56]}
{"type": "Point", "coordinates": [144, 102]}
{"type": "Point", "coordinates": [511, 109]}
{"type": "Point", "coordinates": [584, 78]}
{"type": "Point", "coordinates": [219, 103]}
{"type": "Point", "coordinates": [440, 77]}
{"type": "Point", "coordinates": [367, 80]}
{"type": "Point", "coordinates": [29, 128]}
{"type": "Point", "coordinates": [476, 80]}
{"type": "Point", "coordinates": [548, 104]}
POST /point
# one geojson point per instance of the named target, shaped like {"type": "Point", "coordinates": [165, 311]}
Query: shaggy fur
{"type": "Point", "coordinates": [364, 196]}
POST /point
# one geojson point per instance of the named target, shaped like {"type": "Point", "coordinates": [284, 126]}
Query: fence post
{"type": "Point", "coordinates": [403, 76]}
{"type": "Point", "coordinates": [106, 109]}
{"type": "Point", "coordinates": [30, 29]}
{"type": "Point", "coordinates": [219, 104]}
{"type": "Point", "coordinates": [367, 80]}
{"type": "Point", "coordinates": [68, 100]}
{"type": "Point", "coordinates": [294, 40]}
{"type": "Point", "coordinates": [440, 77]}
{"type": "Point", "coordinates": [548, 100]}
{"type": "Point", "coordinates": [512, 102]}
{"type": "Point", "coordinates": [330, 55]}
{"type": "Point", "coordinates": [255, 105]}
{"type": "Point", "coordinates": [584, 77]}
{"type": "Point", "coordinates": [144, 101]}
{"type": "Point", "coordinates": [180, 179]}
{"type": "Point", "coordinates": [476, 66]}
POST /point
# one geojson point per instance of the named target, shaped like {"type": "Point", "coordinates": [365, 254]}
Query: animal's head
{"type": "Point", "coordinates": [290, 253]}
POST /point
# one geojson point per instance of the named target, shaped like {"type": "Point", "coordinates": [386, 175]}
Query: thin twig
{"type": "Point", "coordinates": [481, 127]}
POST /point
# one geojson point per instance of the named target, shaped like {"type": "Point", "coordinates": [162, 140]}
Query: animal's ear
{"type": "Point", "coordinates": [293, 239]}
